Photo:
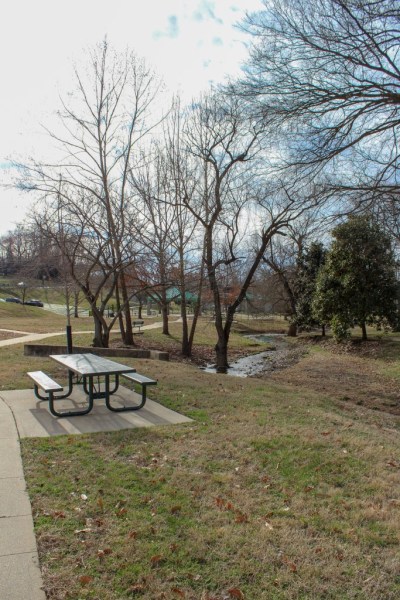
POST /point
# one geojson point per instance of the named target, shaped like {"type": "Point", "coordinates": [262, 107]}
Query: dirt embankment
{"type": "Point", "coordinates": [350, 372]}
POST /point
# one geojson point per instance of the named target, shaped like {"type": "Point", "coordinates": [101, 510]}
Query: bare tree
{"type": "Point", "coordinates": [78, 229]}
{"type": "Point", "coordinates": [154, 223]}
{"type": "Point", "coordinates": [284, 254]}
{"type": "Point", "coordinates": [168, 229]}
{"type": "Point", "coordinates": [232, 203]}
{"type": "Point", "coordinates": [100, 128]}
{"type": "Point", "coordinates": [326, 74]}
{"type": "Point", "coordinates": [188, 243]}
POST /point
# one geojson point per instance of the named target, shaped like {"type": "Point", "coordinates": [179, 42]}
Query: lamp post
{"type": "Point", "coordinates": [22, 285]}
{"type": "Point", "coordinates": [68, 328]}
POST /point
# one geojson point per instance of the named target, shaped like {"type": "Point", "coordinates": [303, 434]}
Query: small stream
{"type": "Point", "coordinates": [255, 364]}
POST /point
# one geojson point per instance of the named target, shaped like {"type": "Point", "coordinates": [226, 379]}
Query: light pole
{"type": "Point", "coordinates": [68, 328]}
{"type": "Point", "coordinates": [22, 285]}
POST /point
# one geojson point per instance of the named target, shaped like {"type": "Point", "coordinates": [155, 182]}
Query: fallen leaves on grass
{"type": "Point", "coordinates": [227, 505]}
{"type": "Point", "coordinates": [139, 588]}
{"type": "Point", "coordinates": [156, 560]}
{"type": "Point", "coordinates": [104, 552]}
{"type": "Point", "coordinates": [291, 565]}
{"type": "Point", "coordinates": [236, 593]}
{"type": "Point", "coordinates": [85, 580]}
{"type": "Point", "coordinates": [241, 517]}
{"type": "Point", "coordinates": [178, 592]}
{"type": "Point", "coordinates": [132, 535]}
{"type": "Point", "coordinates": [56, 514]}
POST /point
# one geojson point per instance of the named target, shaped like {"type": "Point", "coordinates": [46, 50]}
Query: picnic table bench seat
{"type": "Point", "coordinates": [138, 323]}
{"type": "Point", "coordinates": [143, 381]}
{"type": "Point", "coordinates": [49, 386]}
{"type": "Point", "coordinates": [44, 382]}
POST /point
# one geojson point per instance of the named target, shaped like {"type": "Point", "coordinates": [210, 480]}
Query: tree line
{"type": "Point", "coordinates": [228, 195]}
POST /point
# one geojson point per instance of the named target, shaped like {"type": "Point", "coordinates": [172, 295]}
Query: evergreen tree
{"type": "Point", "coordinates": [357, 285]}
{"type": "Point", "coordinates": [308, 267]}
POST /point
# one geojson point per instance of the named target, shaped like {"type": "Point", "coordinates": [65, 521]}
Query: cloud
{"type": "Point", "coordinates": [208, 7]}
{"type": "Point", "coordinates": [172, 30]}
{"type": "Point", "coordinates": [197, 16]}
{"type": "Point", "coordinates": [173, 27]}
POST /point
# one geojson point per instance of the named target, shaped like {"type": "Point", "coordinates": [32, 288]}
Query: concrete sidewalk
{"type": "Point", "coordinates": [20, 577]}
{"type": "Point", "coordinates": [21, 416]}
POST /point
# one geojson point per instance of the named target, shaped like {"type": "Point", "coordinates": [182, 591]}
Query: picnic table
{"type": "Point", "coordinates": [100, 378]}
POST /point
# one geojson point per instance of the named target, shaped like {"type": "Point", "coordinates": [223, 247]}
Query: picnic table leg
{"type": "Point", "coordinates": [62, 396]}
{"type": "Point", "coordinates": [98, 393]}
{"type": "Point", "coordinates": [127, 408]}
{"type": "Point", "coordinates": [71, 413]}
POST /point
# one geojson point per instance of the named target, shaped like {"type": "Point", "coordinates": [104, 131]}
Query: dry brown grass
{"type": "Point", "coordinates": [273, 492]}
{"type": "Point", "coordinates": [358, 378]}
{"type": "Point", "coordinates": [30, 319]}
{"type": "Point", "coordinates": [282, 488]}
{"type": "Point", "coordinates": [9, 335]}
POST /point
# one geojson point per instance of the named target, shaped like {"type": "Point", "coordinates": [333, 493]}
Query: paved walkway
{"type": "Point", "coordinates": [25, 336]}
{"type": "Point", "coordinates": [20, 577]}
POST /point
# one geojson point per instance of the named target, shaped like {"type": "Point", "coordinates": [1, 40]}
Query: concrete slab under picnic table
{"type": "Point", "coordinates": [33, 418]}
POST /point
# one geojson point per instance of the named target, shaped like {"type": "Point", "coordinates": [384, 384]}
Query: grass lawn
{"type": "Point", "coordinates": [284, 487]}
{"type": "Point", "coordinates": [32, 319]}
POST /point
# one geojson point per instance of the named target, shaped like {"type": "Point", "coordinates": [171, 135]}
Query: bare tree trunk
{"type": "Point", "coordinates": [76, 304]}
{"type": "Point", "coordinates": [197, 308]}
{"type": "Point", "coordinates": [128, 336]}
{"type": "Point", "coordinates": [185, 348]}
{"type": "Point", "coordinates": [119, 312]}
{"type": "Point", "coordinates": [221, 347]}
{"type": "Point", "coordinates": [364, 331]}
{"type": "Point", "coordinates": [221, 352]}
{"type": "Point", "coordinates": [164, 313]}
{"type": "Point", "coordinates": [101, 332]}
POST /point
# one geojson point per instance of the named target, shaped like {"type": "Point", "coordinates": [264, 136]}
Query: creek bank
{"type": "Point", "coordinates": [280, 355]}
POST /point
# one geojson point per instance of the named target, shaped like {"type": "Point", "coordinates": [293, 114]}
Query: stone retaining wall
{"type": "Point", "coordinates": [46, 349]}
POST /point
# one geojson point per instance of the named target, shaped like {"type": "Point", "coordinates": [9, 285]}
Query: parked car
{"type": "Point", "coordinates": [16, 300]}
{"type": "Point", "coordinates": [34, 303]}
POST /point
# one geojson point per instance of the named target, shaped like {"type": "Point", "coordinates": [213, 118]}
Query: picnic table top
{"type": "Point", "coordinates": [91, 364]}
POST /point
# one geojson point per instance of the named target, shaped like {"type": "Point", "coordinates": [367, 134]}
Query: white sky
{"type": "Point", "coordinates": [189, 42]}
